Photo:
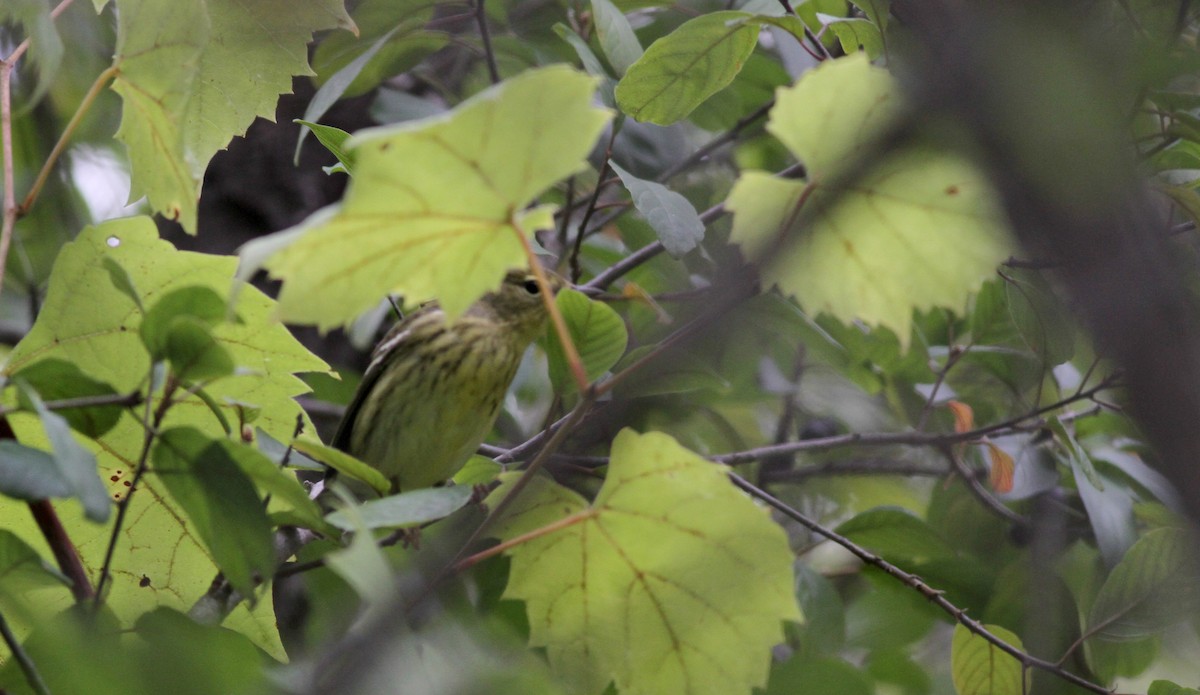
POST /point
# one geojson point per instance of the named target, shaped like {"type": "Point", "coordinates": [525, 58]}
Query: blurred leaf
{"type": "Point", "coordinates": [1002, 469]}
{"type": "Point", "coordinates": [668, 549]}
{"type": "Point", "coordinates": [57, 379]}
{"type": "Point", "coordinates": [123, 281]}
{"type": "Point", "coordinates": [22, 569]}
{"type": "Point", "coordinates": [406, 510]}
{"type": "Point", "coordinates": [391, 39]}
{"type": "Point", "coordinates": [46, 50]}
{"type": "Point", "coordinates": [919, 229]}
{"type": "Point", "coordinates": [591, 64]}
{"type": "Point", "coordinates": [194, 353]}
{"type": "Point", "coordinates": [820, 675]}
{"type": "Point", "coordinates": [670, 214]}
{"type": "Point", "coordinates": [980, 668]}
{"type": "Point", "coordinates": [30, 474]}
{"type": "Point", "coordinates": [896, 535]}
{"type": "Point", "coordinates": [195, 302]}
{"type": "Point", "coordinates": [1169, 688]}
{"type": "Point", "coordinates": [824, 628]}
{"type": "Point", "coordinates": [220, 502]}
{"type": "Point", "coordinates": [76, 465]}
{"type": "Point", "coordinates": [1154, 586]}
{"type": "Point", "coordinates": [679, 71]}
{"type": "Point", "coordinates": [620, 44]}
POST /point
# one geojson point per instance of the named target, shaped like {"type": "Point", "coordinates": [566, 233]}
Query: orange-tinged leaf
{"type": "Point", "coordinates": [964, 417]}
{"type": "Point", "coordinates": [1003, 467]}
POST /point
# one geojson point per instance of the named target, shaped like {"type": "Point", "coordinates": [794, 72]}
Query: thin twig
{"type": "Point", "coordinates": [712, 145]}
{"type": "Point", "coordinates": [152, 419]}
{"type": "Point", "coordinates": [908, 438]}
{"type": "Point", "coordinates": [485, 35]}
{"type": "Point", "coordinates": [916, 583]}
{"type": "Point", "coordinates": [27, 666]}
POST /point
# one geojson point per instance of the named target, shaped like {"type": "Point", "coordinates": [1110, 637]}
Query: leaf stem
{"type": "Point", "coordinates": [556, 318]}
{"type": "Point", "coordinates": [565, 522]}
{"type": "Point", "coordinates": [85, 105]}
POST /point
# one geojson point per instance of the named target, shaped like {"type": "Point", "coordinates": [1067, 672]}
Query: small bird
{"type": "Point", "coordinates": [433, 389]}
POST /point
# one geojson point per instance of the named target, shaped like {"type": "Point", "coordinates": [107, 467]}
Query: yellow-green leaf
{"type": "Point", "coordinates": [194, 73]}
{"type": "Point", "coordinates": [919, 229]}
{"type": "Point", "coordinates": [978, 667]}
{"type": "Point", "coordinates": [438, 207]}
{"type": "Point", "coordinates": [670, 557]}
{"type": "Point", "coordinates": [89, 322]}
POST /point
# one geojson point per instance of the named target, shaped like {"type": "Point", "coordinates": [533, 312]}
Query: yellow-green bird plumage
{"type": "Point", "coordinates": [433, 389]}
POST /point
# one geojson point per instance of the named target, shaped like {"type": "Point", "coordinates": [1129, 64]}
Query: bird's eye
{"type": "Point", "coordinates": [532, 287]}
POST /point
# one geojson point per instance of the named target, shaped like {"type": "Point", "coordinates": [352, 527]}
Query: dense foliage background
{"type": "Point", "coordinates": [880, 372]}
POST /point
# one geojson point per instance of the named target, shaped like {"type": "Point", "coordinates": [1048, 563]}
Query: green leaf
{"type": "Point", "coordinates": [479, 470]}
{"type": "Point", "coordinates": [855, 35]}
{"type": "Point", "coordinates": [919, 229]}
{"type": "Point", "coordinates": [194, 353]}
{"type": "Point", "coordinates": [76, 465]}
{"type": "Point", "coordinates": [824, 627]}
{"type": "Point", "coordinates": [620, 44]}
{"type": "Point", "coordinates": [673, 218]}
{"type": "Point", "coordinates": [343, 463]}
{"type": "Point", "coordinates": [679, 71]}
{"type": "Point", "coordinates": [288, 496]}
{"type": "Point", "coordinates": [192, 302]}
{"type": "Point", "coordinates": [362, 563]}
{"type": "Point", "coordinates": [183, 78]}
{"type": "Point", "coordinates": [333, 89]}
{"type": "Point", "coordinates": [334, 140]}
{"type": "Point", "coordinates": [1168, 688]}
{"type": "Point", "coordinates": [22, 569]}
{"type": "Point", "coordinates": [591, 64]}
{"type": "Point", "coordinates": [980, 668]}
{"type": "Point", "coordinates": [123, 281]}
{"type": "Point", "coordinates": [1153, 587]}
{"type": "Point", "coordinates": [669, 552]}
{"type": "Point", "coordinates": [393, 39]}
{"type": "Point", "coordinates": [89, 322]}
{"type": "Point", "coordinates": [46, 50]}
{"type": "Point", "coordinates": [175, 650]}
{"type": "Point", "coordinates": [598, 333]}
{"type": "Point", "coordinates": [897, 535]}
{"type": "Point", "coordinates": [30, 474]}
{"type": "Point", "coordinates": [55, 379]}
{"type": "Point", "coordinates": [220, 502]}
{"type": "Point", "coordinates": [818, 675]}
{"type": "Point", "coordinates": [438, 207]}
{"type": "Point", "coordinates": [405, 510]}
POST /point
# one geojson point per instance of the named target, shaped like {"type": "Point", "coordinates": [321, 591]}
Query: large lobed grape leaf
{"type": "Point", "coordinates": [438, 207]}
{"type": "Point", "coordinates": [90, 322]}
{"type": "Point", "coordinates": [194, 73]}
{"type": "Point", "coordinates": [670, 581]}
{"type": "Point", "coordinates": [920, 228]}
